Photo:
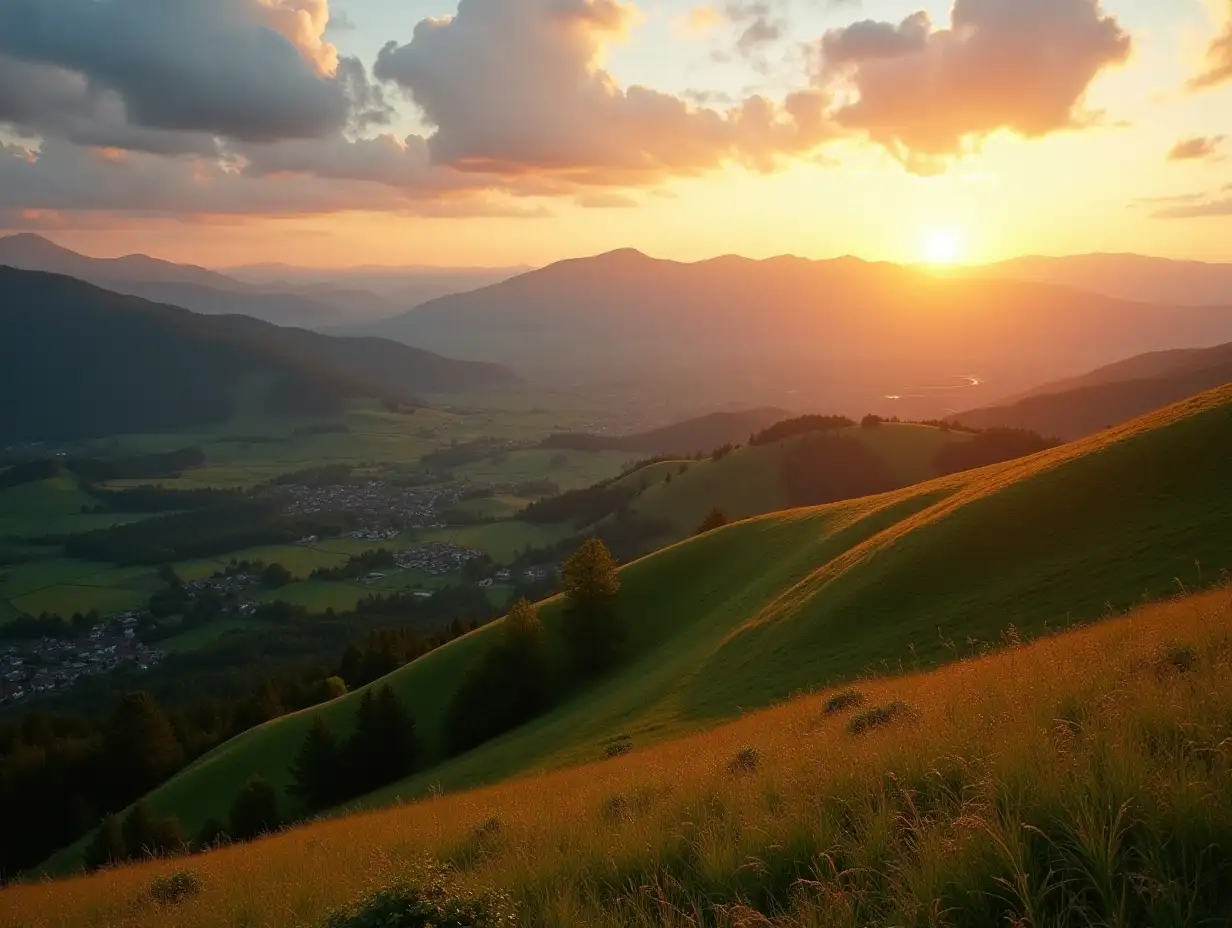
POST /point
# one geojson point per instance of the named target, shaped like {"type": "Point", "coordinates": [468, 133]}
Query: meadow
{"type": "Point", "coordinates": [748, 615]}
{"type": "Point", "coordinates": [748, 482]}
{"type": "Point", "coordinates": [1082, 779]}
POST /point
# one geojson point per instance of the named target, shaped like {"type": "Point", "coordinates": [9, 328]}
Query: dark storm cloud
{"type": "Point", "coordinates": [219, 67]}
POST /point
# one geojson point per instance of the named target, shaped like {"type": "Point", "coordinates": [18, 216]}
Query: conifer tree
{"type": "Point", "coordinates": [364, 748]}
{"type": "Point", "coordinates": [316, 766]}
{"type": "Point", "coordinates": [140, 747]}
{"type": "Point", "coordinates": [592, 627]}
{"type": "Point", "coordinates": [401, 743]}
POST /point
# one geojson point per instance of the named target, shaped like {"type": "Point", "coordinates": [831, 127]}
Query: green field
{"type": "Point", "coordinates": [748, 481]}
{"type": "Point", "coordinates": [50, 507]}
{"type": "Point", "coordinates": [247, 451]}
{"type": "Point", "coordinates": [495, 507]}
{"type": "Point", "coordinates": [501, 540]}
{"type": "Point", "coordinates": [576, 469]}
{"type": "Point", "coordinates": [65, 586]}
{"type": "Point", "coordinates": [752, 613]}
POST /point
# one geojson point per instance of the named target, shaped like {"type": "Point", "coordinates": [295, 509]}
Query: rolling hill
{"type": "Point", "coordinates": [692, 436]}
{"type": "Point", "coordinates": [85, 362]}
{"type": "Point", "coordinates": [750, 480]}
{"type": "Point", "coordinates": [1110, 395]}
{"type": "Point", "coordinates": [846, 331]}
{"type": "Point", "coordinates": [759, 610]}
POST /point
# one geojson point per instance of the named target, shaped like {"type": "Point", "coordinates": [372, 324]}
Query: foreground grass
{"type": "Point", "coordinates": [1084, 779]}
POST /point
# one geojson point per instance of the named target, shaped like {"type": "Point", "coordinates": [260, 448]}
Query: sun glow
{"type": "Point", "coordinates": [943, 247]}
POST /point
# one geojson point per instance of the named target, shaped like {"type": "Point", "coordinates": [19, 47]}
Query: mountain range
{"type": "Point", "coordinates": [279, 294]}
{"type": "Point", "coordinates": [846, 331]}
{"type": "Point", "coordinates": [1125, 277]}
{"type": "Point", "coordinates": [84, 362]}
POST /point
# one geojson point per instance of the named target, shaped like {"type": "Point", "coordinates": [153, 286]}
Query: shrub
{"type": "Point", "coordinates": [745, 761]}
{"type": "Point", "coordinates": [617, 809]}
{"type": "Point", "coordinates": [175, 888]}
{"type": "Point", "coordinates": [436, 905]}
{"type": "Point", "coordinates": [483, 842]}
{"type": "Point", "coordinates": [876, 717]}
{"type": "Point", "coordinates": [212, 834]}
{"type": "Point", "coordinates": [254, 811]}
{"type": "Point", "coordinates": [1178, 658]}
{"type": "Point", "coordinates": [618, 748]}
{"type": "Point", "coordinates": [716, 518]}
{"type": "Point", "coordinates": [847, 699]}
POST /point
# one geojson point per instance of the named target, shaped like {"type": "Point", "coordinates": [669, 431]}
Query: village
{"type": "Point", "coordinates": [30, 668]}
{"type": "Point", "coordinates": [381, 506]}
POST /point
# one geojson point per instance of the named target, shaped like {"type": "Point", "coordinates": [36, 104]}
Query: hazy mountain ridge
{"type": "Point", "coordinates": [626, 310]}
{"type": "Point", "coordinates": [316, 299]}
{"type": "Point", "coordinates": [1126, 276]}
{"type": "Point", "coordinates": [1110, 395]}
{"type": "Point", "coordinates": [88, 362]}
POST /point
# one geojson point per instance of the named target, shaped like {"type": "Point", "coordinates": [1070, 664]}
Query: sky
{"type": "Point", "coordinates": [513, 132]}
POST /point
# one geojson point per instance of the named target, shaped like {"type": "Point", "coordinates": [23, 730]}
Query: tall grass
{"type": "Point", "coordinates": [1084, 779]}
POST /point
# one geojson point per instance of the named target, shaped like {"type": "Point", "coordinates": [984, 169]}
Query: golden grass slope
{"type": "Point", "coordinates": [1071, 780]}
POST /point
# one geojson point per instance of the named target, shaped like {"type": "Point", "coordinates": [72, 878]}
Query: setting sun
{"type": "Point", "coordinates": [943, 247]}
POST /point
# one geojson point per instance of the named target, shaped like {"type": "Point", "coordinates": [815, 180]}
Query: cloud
{"type": "Point", "coordinates": [761, 27]}
{"type": "Point", "coordinates": [1218, 68]}
{"type": "Point", "coordinates": [927, 94]}
{"type": "Point", "coordinates": [606, 201]}
{"type": "Point", "coordinates": [1197, 148]}
{"type": "Point", "coordinates": [701, 19]}
{"type": "Point", "coordinates": [514, 88]}
{"type": "Point", "coordinates": [1208, 209]}
{"type": "Point", "coordinates": [1171, 200]}
{"type": "Point", "coordinates": [289, 178]}
{"type": "Point", "coordinates": [254, 70]}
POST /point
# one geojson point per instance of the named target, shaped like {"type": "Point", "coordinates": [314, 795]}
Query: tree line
{"type": "Point", "coordinates": [60, 771]}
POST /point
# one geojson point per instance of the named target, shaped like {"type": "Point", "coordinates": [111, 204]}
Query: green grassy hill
{"type": "Point", "coordinates": [748, 482]}
{"type": "Point", "coordinates": [759, 610]}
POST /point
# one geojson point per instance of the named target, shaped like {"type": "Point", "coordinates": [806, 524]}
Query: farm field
{"type": "Point", "coordinates": [572, 470]}
{"type": "Point", "coordinates": [501, 540]}
{"type": "Point", "coordinates": [895, 796]}
{"type": "Point", "coordinates": [752, 613]}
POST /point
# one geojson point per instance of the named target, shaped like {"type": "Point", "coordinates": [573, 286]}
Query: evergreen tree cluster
{"type": "Point", "coordinates": [507, 687]}
{"type": "Point", "coordinates": [141, 834]}
{"type": "Point", "coordinates": [383, 747]}
{"type": "Point", "coordinates": [511, 682]}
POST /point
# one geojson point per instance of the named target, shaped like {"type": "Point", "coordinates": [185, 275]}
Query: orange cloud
{"type": "Point", "coordinates": [514, 89]}
{"type": "Point", "coordinates": [702, 19]}
{"type": "Point", "coordinates": [1199, 148]}
{"type": "Point", "coordinates": [926, 94]}
{"type": "Point", "coordinates": [1218, 68]}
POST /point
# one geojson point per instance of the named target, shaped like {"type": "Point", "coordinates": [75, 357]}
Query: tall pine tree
{"type": "Point", "coordinates": [140, 747]}
{"type": "Point", "coordinates": [316, 767]}
{"type": "Point", "coordinates": [593, 629]}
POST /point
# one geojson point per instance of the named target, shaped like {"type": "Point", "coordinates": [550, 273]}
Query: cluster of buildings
{"type": "Point", "coordinates": [381, 507]}
{"type": "Point", "coordinates": [437, 557]}
{"type": "Point", "coordinates": [29, 668]}
{"type": "Point", "coordinates": [232, 585]}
